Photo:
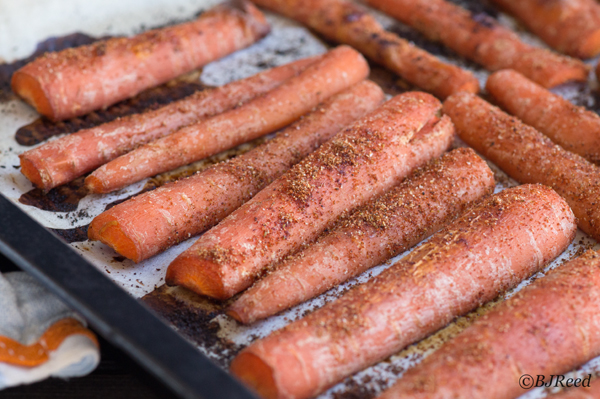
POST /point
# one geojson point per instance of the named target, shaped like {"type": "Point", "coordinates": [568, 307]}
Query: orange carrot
{"type": "Point", "coordinates": [379, 230]}
{"type": "Point", "coordinates": [483, 40]}
{"type": "Point", "coordinates": [73, 82]}
{"type": "Point", "coordinates": [546, 329]}
{"type": "Point", "coordinates": [362, 161]}
{"type": "Point", "coordinates": [572, 127]}
{"type": "Point", "coordinates": [176, 211]}
{"type": "Point", "coordinates": [570, 26]}
{"type": "Point", "coordinates": [336, 71]}
{"type": "Point", "coordinates": [60, 161]}
{"type": "Point", "coordinates": [345, 22]}
{"type": "Point", "coordinates": [489, 249]}
{"type": "Point", "coordinates": [587, 389]}
{"type": "Point", "coordinates": [528, 156]}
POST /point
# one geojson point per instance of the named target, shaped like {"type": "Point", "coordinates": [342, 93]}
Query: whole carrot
{"type": "Point", "coordinates": [176, 211]}
{"type": "Point", "coordinates": [489, 249]}
{"type": "Point", "coordinates": [546, 329]}
{"type": "Point", "coordinates": [482, 40]}
{"type": "Point", "coordinates": [379, 230]}
{"type": "Point", "coordinates": [362, 161]}
{"type": "Point", "coordinates": [76, 81]}
{"type": "Point", "coordinates": [346, 22]}
{"type": "Point", "coordinates": [570, 26]}
{"type": "Point", "coordinates": [60, 161]}
{"type": "Point", "coordinates": [339, 69]}
{"type": "Point", "coordinates": [572, 127]}
{"type": "Point", "coordinates": [528, 156]}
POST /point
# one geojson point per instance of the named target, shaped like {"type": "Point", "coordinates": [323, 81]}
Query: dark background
{"type": "Point", "coordinates": [116, 377]}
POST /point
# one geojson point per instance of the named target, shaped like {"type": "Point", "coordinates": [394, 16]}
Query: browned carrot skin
{"type": "Point", "coordinates": [379, 230]}
{"type": "Point", "coordinates": [345, 22]}
{"type": "Point", "coordinates": [362, 161]}
{"type": "Point", "coordinates": [154, 221]}
{"type": "Point", "coordinates": [528, 156]}
{"type": "Point", "coordinates": [483, 41]}
{"type": "Point", "coordinates": [61, 161]}
{"type": "Point", "coordinates": [339, 69]}
{"type": "Point", "coordinates": [489, 249]}
{"type": "Point", "coordinates": [572, 127]}
{"type": "Point", "coordinates": [548, 328]}
{"type": "Point", "coordinates": [569, 26]}
{"type": "Point", "coordinates": [582, 392]}
{"type": "Point", "coordinates": [76, 81]}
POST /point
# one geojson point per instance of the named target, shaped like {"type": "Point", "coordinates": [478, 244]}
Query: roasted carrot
{"type": "Point", "coordinates": [339, 69]}
{"type": "Point", "coordinates": [346, 22]}
{"type": "Point", "coordinates": [76, 81]}
{"type": "Point", "coordinates": [572, 127]}
{"type": "Point", "coordinates": [546, 329]}
{"type": "Point", "coordinates": [362, 161]}
{"type": "Point", "coordinates": [489, 249]}
{"type": "Point", "coordinates": [60, 161]}
{"type": "Point", "coordinates": [151, 222]}
{"type": "Point", "coordinates": [379, 230]}
{"type": "Point", "coordinates": [586, 389]}
{"type": "Point", "coordinates": [569, 26]}
{"type": "Point", "coordinates": [482, 40]}
{"type": "Point", "coordinates": [528, 156]}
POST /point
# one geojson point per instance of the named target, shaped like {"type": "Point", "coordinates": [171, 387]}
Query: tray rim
{"type": "Point", "coordinates": [121, 319]}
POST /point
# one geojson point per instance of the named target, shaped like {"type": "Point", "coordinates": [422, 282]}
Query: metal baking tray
{"type": "Point", "coordinates": [185, 340]}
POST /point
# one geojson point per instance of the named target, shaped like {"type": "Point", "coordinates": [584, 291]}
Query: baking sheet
{"type": "Point", "coordinates": [25, 23]}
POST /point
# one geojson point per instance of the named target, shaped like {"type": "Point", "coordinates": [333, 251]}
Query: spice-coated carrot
{"type": "Point", "coordinates": [60, 161]}
{"type": "Point", "coordinates": [546, 329]}
{"type": "Point", "coordinates": [76, 81]}
{"type": "Point", "coordinates": [346, 22]}
{"type": "Point", "coordinates": [362, 161]}
{"type": "Point", "coordinates": [339, 69]}
{"type": "Point", "coordinates": [379, 230]}
{"type": "Point", "coordinates": [152, 222]}
{"type": "Point", "coordinates": [528, 156]}
{"type": "Point", "coordinates": [570, 26]}
{"type": "Point", "coordinates": [483, 40]}
{"type": "Point", "coordinates": [572, 127]}
{"type": "Point", "coordinates": [489, 249]}
{"type": "Point", "coordinates": [589, 389]}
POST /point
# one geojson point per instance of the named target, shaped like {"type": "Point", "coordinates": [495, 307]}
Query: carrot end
{"type": "Point", "coordinates": [238, 315]}
{"type": "Point", "coordinates": [256, 374]}
{"type": "Point", "coordinates": [590, 46]}
{"type": "Point", "coordinates": [32, 172]}
{"type": "Point", "coordinates": [109, 232]}
{"type": "Point", "coordinates": [197, 275]}
{"type": "Point", "coordinates": [30, 90]}
{"type": "Point", "coordinates": [95, 185]}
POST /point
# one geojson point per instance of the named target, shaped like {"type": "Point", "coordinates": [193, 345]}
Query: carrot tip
{"type": "Point", "coordinates": [197, 275]}
{"type": "Point", "coordinates": [240, 317]}
{"type": "Point", "coordinates": [255, 373]}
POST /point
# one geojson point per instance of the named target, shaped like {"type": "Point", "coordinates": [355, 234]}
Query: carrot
{"type": "Point", "coordinates": [489, 249]}
{"type": "Point", "coordinates": [546, 329]}
{"type": "Point", "coordinates": [483, 40]}
{"type": "Point", "coordinates": [569, 26]}
{"type": "Point", "coordinates": [63, 160]}
{"type": "Point", "coordinates": [572, 127]}
{"type": "Point", "coordinates": [588, 389]}
{"type": "Point", "coordinates": [75, 81]}
{"type": "Point", "coordinates": [336, 71]}
{"type": "Point", "coordinates": [528, 156]}
{"type": "Point", "coordinates": [379, 230]}
{"type": "Point", "coordinates": [362, 161]}
{"type": "Point", "coordinates": [177, 211]}
{"type": "Point", "coordinates": [345, 22]}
